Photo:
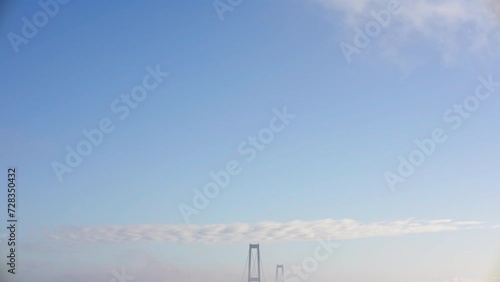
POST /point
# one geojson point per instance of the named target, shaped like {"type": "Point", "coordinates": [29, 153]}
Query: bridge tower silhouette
{"type": "Point", "coordinates": [254, 263]}
{"type": "Point", "coordinates": [282, 278]}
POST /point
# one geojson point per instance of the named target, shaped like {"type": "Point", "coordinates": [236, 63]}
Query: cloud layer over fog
{"type": "Point", "coordinates": [261, 232]}
{"type": "Point", "coordinates": [451, 27]}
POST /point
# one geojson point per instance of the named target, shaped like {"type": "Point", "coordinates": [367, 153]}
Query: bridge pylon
{"type": "Point", "coordinates": [282, 278]}
{"type": "Point", "coordinates": [254, 258]}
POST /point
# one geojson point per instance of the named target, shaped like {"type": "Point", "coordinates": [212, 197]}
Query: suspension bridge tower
{"type": "Point", "coordinates": [254, 263]}
{"type": "Point", "coordinates": [278, 277]}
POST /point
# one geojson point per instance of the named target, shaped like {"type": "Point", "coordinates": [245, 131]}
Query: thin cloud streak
{"type": "Point", "coordinates": [297, 230]}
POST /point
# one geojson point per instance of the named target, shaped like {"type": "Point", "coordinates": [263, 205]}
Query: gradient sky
{"type": "Point", "coordinates": [322, 176]}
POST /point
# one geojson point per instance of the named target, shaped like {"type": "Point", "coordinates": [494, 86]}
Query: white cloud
{"type": "Point", "coordinates": [261, 232]}
{"type": "Point", "coordinates": [468, 223]}
{"type": "Point", "coordinates": [453, 28]}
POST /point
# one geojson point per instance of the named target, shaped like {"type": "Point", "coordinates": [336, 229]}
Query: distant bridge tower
{"type": "Point", "coordinates": [282, 278]}
{"type": "Point", "coordinates": [254, 258]}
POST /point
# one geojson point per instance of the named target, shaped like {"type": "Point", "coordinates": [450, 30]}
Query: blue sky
{"type": "Point", "coordinates": [323, 175]}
